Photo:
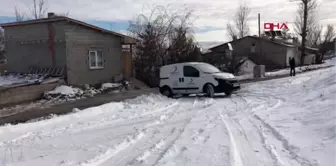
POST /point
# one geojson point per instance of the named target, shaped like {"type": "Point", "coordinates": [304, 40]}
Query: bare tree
{"type": "Point", "coordinates": [314, 37]}
{"type": "Point", "coordinates": [231, 32]}
{"type": "Point", "coordinates": [241, 20]}
{"type": "Point", "coordinates": [241, 27]}
{"type": "Point", "coordinates": [304, 21]}
{"type": "Point", "coordinates": [182, 46]}
{"type": "Point", "coordinates": [38, 10]}
{"type": "Point", "coordinates": [19, 16]}
{"type": "Point", "coordinates": [327, 42]}
{"type": "Point", "coordinates": [329, 34]}
{"type": "Point", "coordinates": [161, 34]}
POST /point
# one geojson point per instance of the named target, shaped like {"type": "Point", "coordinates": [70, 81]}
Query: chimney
{"type": "Point", "coordinates": [234, 38]}
{"type": "Point", "coordinates": [51, 15]}
{"type": "Point", "coordinates": [295, 41]}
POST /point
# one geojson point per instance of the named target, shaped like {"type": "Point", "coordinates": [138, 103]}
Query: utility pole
{"type": "Point", "coordinates": [259, 23]}
{"type": "Point", "coordinates": [304, 30]}
{"type": "Point", "coordinates": [260, 42]}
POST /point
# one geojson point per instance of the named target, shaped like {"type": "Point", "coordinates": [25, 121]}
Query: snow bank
{"type": "Point", "coordinates": [65, 90]}
{"type": "Point", "coordinates": [68, 92]}
{"type": "Point", "coordinates": [146, 99]}
{"type": "Point", "coordinates": [297, 70]}
{"type": "Point", "coordinates": [17, 79]}
{"type": "Point", "coordinates": [244, 77]}
{"type": "Point", "coordinates": [110, 85]}
{"type": "Point", "coordinates": [286, 71]}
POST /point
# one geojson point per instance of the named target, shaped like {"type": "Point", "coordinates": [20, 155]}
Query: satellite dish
{"type": "Point", "coordinates": [230, 46]}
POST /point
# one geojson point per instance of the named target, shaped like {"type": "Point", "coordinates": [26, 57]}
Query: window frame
{"type": "Point", "coordinates": [198, 72]}
{"type": "Point", "coordinates": [253, 48]}
{"type": "Point", "coordinates": [96, 66]}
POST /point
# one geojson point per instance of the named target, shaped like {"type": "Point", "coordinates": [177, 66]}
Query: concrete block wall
{"type": "Point", "coordinates": [17, 95]}
{"type": "Point", "coordinates": [28, 46]}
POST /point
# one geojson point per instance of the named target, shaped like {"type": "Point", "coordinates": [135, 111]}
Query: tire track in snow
{"type": "Point", "coordinates": [283, 142]}
{"type": "Point", "coordinates": [77, 127]}
{"type": "Point", "coordinates": [149, 130]}
{"type": "Point", "coordinates": [96, 161]}
{"type": "Point", "coordinates": [171, 150]}
{"type": "Point", "coordinates": [133, 153]}
{"type": "Point", "coordinates": [276, 140]}
{"type": "Point", "coordinates": [247, 146]}
{"type": "Point", "coordinates": [235, 158]}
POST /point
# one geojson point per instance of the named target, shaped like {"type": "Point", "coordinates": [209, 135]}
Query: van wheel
{"type": "Point", "coordinates": [166, 91]}
{"type": "Point", "coordinates": [209, 90]}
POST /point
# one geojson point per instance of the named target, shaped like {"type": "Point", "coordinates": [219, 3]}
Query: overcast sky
{"type": "Point", "coordinates": [211, 16]}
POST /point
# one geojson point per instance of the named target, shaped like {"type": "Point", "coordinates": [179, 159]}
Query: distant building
{"type": "Point", "coordinates": [310, 55]}
{"type": "Point", "coordinates": [246, 66]}
{"type": "Point", "coordinates": [272, 53]}
{"type": "Point", "coordinates": [82, 53]}
{"type": "Point", "coordinates": [263, 51]}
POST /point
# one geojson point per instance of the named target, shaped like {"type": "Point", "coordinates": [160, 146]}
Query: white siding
{"type": "Point", "coordinates": [309, 59]}
{"type": "Point", "coordinates": [247, 67]}
{"type": "Point", "coordinates": [290, 54]}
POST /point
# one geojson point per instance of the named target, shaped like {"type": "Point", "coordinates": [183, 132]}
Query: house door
{"type": "Point", "coordinates": [126, 58]}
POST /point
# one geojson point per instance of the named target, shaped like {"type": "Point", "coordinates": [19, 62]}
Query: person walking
{"type": "Point", "coordinates": [292, 66]}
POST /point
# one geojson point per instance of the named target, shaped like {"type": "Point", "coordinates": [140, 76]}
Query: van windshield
{"type": "Point", "coordinates": [207, 68]}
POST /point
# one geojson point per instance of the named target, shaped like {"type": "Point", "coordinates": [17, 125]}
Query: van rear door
{"type": "Point", "coordinates": [175, 80]}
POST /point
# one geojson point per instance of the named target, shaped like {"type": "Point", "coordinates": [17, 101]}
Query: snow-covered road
{"type": "Point", "coordinates": [284, 122]}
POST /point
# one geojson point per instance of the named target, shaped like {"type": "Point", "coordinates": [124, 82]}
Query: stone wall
{"type": "Point", "coordinates": [17, 95]}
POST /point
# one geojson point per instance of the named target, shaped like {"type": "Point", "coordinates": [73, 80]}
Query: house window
{"type": "Point", "coordinates": [253, 47]}
{"type": "Point", "coordinates": [96, 59]}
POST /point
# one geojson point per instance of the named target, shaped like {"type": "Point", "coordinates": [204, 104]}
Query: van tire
{"type": "Point", "coordinates": [166, 91]}
{"type": "Point", "coordinates": [209, 90]}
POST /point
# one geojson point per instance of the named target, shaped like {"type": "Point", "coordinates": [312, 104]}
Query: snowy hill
{"type": "Point", "coordinates": [287, 122]}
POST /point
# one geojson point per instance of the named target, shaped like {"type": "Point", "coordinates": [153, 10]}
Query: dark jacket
{"type": "Point", "coordinates": [292, 62]}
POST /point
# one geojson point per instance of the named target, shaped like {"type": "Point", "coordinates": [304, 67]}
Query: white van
{"type": "Point", "coordinates": [194, 78]}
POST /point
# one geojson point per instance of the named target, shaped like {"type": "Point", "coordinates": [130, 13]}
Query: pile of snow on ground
{"type": "Point", "coordinates": [68, 92]}
{"type": "Point", "coordinates": [110, 85]}
{"type": "Point", "coordinates": [297, 70]}
{"type": "Point", "coordinates": [64, 92]}
{"type": "Point", "coordinates": [300, 69]}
